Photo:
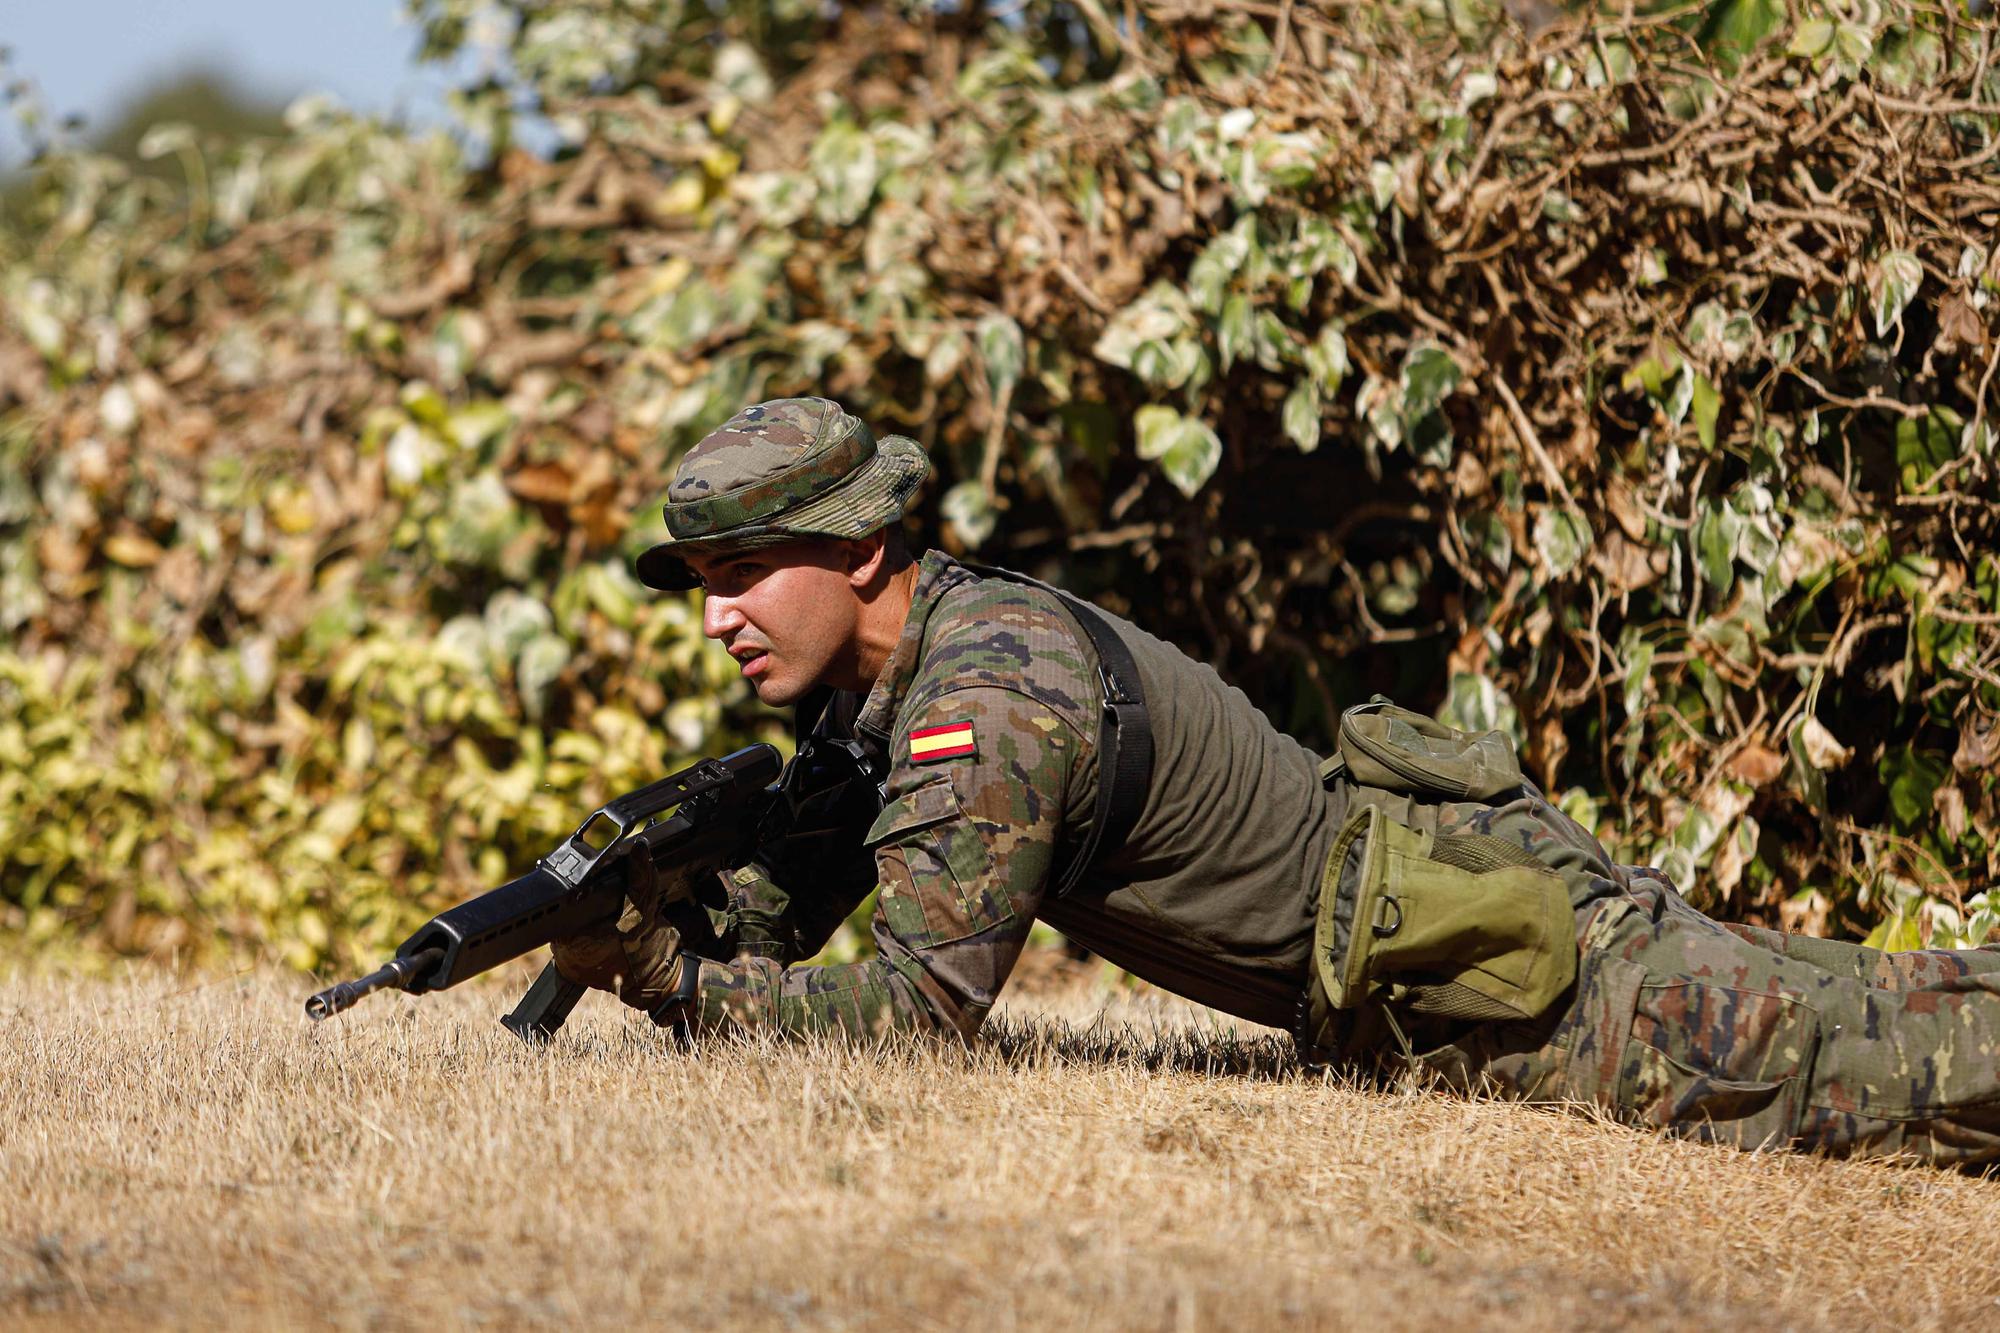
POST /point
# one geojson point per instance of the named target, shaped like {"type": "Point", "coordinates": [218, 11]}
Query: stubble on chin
{"type": "Point", "coordinates": [775, 694]}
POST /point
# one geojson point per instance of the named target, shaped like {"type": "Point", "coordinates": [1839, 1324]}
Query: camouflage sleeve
{"type": "Point", "coordinates": [769, 921]}
{"type": "Point", "coordinates": [963, 850]}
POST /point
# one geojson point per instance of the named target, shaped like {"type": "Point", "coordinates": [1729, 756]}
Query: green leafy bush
{"type": "Point", "coordinates": [1624, 386]}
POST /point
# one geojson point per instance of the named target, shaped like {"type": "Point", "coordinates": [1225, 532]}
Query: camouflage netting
{"type": "Point", "coordinates": [1623, 386]}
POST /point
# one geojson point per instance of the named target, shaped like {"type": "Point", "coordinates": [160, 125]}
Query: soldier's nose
{"type": "Point", "coordinates": [720, 616]}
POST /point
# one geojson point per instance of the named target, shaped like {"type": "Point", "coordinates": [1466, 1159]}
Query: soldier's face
{"type": "Point", "coordinates": [788, 614]}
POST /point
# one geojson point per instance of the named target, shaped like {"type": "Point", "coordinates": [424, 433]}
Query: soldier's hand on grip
{"type": "Point", "coordinates": [633, 958]}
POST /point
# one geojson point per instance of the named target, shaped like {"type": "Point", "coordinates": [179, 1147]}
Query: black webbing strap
{"type": "Point", "coordinates": [1124, 731]}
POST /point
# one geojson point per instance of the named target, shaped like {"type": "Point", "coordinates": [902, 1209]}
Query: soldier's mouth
{"type": "Point", "coordinates": [754, 664]}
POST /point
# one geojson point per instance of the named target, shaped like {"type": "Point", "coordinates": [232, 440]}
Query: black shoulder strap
{"type": "Point", "coordinates": [1124, 731]}
{"type": "Point", "coordinates": [808, 713]}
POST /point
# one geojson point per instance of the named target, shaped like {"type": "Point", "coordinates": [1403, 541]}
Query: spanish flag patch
{"type": "Point", "coordinates": [953, 740]}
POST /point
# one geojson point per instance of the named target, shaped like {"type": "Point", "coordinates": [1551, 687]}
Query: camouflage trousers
{"type": "Point", "coordinates": [1736, 1034]}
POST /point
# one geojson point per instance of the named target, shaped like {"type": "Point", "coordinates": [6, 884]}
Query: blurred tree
{"type": "Point", "coordinates": [207, 100]}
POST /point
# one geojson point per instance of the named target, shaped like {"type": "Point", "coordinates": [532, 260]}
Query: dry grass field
{"type": "Point", "coordinates": [194, 1153]}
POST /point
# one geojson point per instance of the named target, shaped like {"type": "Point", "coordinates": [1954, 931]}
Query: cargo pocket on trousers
{"type": "Point", "coordinates": [1717, 1063]}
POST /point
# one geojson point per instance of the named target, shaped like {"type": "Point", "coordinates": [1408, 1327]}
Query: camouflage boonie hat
{"type": "Point", "coordinates": [792, 467]}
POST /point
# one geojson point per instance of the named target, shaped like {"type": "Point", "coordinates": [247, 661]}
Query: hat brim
{"type": "Point", "coordinates": [874, 495]}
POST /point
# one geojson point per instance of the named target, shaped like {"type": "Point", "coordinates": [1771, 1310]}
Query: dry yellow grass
{"type": "Point", "coordinates": [198, 1154]}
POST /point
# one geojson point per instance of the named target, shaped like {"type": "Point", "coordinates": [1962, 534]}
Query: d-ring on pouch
{"type": "Point", "coordinates": [1463, 925]}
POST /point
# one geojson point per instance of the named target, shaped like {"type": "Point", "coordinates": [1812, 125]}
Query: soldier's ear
{"type": "Point", "coordinates": [866, 559]}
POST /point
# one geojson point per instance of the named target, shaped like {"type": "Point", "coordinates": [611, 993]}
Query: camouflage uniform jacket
{"type": "Point", "coordinates": [986, 715]}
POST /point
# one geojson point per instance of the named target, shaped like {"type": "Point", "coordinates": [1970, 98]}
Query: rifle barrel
{"type": "Point", "coordinates": [397, 972]}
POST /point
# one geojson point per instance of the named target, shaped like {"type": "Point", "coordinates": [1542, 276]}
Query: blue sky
{"type": "Point", "coordinates": [92, 56]}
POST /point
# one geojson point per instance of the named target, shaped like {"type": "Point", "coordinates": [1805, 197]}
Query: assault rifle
{"type": "Point", "coordinates": [580, 887]}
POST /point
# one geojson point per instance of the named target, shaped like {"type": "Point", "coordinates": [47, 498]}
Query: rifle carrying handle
{"type": "Point", "coordinates": [543, 1010]}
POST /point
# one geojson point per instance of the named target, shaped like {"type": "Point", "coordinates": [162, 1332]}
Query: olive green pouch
{"type": "Point", "coordinates": [1461, 925]}
{"type": "Point", "coordinates": [1382, 745]}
